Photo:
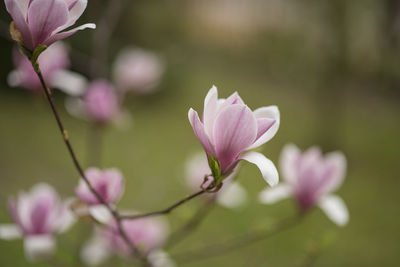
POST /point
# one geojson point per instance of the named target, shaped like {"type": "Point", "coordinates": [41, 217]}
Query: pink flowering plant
{"type": "Point", "coordinates": [43, 22]}
{"type": "Point", "coordinates": [310, 179]}
{"type": "Point", "coordinates": [38, 217]}
{"type": "Point", "coordinates": [229, 131]}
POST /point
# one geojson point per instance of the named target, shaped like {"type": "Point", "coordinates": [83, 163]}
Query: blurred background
{"type": "Point", "coordinates": [332, 67]}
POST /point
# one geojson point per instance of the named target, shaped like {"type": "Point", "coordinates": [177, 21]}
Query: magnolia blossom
{"type": "Point", "coordinates": [51, 61]}
{"type": "Point", "coordinates": [100, 101]}
{"type": "Point", "coordinates": [229, 128]}
{"type": "Point", "coordinates": [108, 184]}
{"type": "Point", "coordinates": [54, 63]}
{"type": "Point", "coordinates": [233, 195]}
{"type": "Point", "coordinates": [98, 104]}
{"type": "Point", "coordinates": [148, 234]}
{"type": "Point", "coordinates": [38, 216]}
{"type": "Point", "coordinates": [137, 70]}
{"type": "Point", "coordinates": [42, 22]}
{"type": "Point", "coordinates": [310, 178]}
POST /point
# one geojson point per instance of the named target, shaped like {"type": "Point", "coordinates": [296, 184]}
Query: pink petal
{"type": "Point", "coordinates": [108, 184]}
{"type": "Point", "coordinates": [23, 208]}
{"type": "Point", "coordinates": [288, 162]}
{"type": "Point", "coordinates": [64, 217]}
{"type": "Point", "coordinates": [23, 5]}
{"type": "Point", "coordinates": [39, 246]}
{"type": "Point", "coordinates": [96, 250]}
{"type": "Point", "coordinates": [275, 194]}
{"type": "Point", "coordinates": [210, 111]}
{"type": "Point", "coordinates": [196, 168]}
{"type": "Point", "coordinates": [10, 232]}
{"type": "Point", "coordinates": [232, 195]}
{"type": "Point", "coordinates": [199, 131]}
{"type": "Point", "coordinates": [101, 102]}
{"type": "Point", "coordinates": [44, 17]}
{"type": "Point", "coordinates": [147, 233]}
{"type": "Point", "coordinates": [232, 99]}
{"type": "Point", "coordinates": [71, 3]}
{"type": "Point", "coordinates": [83, 192]}
{"type": "Point", "coordinates": [270, 113]}
{"type": "Point", "coordinates": [43, 202]}
{"type": "Point", "coordinates": [62, 35]}
{"type": "Point", "coordinates": [76, 9]}
{"type": "Point", "coordinates": [335, 208]}
{"type": "Point", "coordinates": [101, 213]}
{"type": "Point", "coordinates": [335, 164]}
{"type": "Point", "coordinates": [263, 125]}
{"type": "Point", "coordinates": [266, 166]}
{"type": "Point", "coordinates": [13, 209]}
{"type": "Point", "coordinates": [310, 164]}
{"type": "Point", "coordinates": [39, 217]}
{"type": "Point", "coordinates": [115, 184]}
{"type": "Point", "coordinates": [18, 17]}
{"type": "Point", "coordinates": [235, 130]}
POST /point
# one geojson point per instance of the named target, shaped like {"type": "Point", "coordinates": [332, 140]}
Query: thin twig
{"type": "Point", "coordinates": [236, 243]}
{"type": "Point", "coordinates": [77, 165]}
{"type": "Point", "coordinates": [164, 211]}
{"type": "Point", "coordinates": [191, 224]}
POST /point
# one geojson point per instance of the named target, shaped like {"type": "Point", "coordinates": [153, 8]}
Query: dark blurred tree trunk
{"type": "Point", "coordinates": [392, 22]}
{"type": "Point", "coordinates": [391, 48]}
{"type": "Point", "coordinates": [330, 94]}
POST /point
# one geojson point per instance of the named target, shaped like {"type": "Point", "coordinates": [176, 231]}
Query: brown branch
{"type": "Point", "coordinates": [236, 243]}
{"type": "Point", "coordinates": [77, 165]}
{"type": "Point", "coordinates": [164, 211]}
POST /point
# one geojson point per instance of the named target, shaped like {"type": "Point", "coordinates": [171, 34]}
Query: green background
{"type": "Point", "coordinates": [330, 66]}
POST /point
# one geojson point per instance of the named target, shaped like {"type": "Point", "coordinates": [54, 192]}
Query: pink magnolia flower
{"type": "Point", "coordinates": [51, 61]}
{"type": "Point", "coordinates": [100, 101]}
{"type": "Point", "coordinates": [42, 22]}
{"type": "Point", "coordinates": [99, 104]}
{"type": "Point", "coordinates": [137, 70]}
{"type": "Point", "coordinates": [310, 178]}
{"type": "Point", "coordinates": [229, 128]}
{"type": "Point", "coordinates": [232, 195]}
{"type": "Point", "coordinates": [37, 216]}
{"type": "Point", "coordinates": [148, 234]}
{"type": "Point", "coordinates": [108, 183]}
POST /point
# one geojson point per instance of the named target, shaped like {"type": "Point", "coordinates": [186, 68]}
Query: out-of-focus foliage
{"type": "Point", "coordinates": [332, 67]}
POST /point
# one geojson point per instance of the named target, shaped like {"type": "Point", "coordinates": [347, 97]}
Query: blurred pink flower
{"type": "Point", "coordinates": [37, 216]}
{"type": "Point", "coordinates": [231, 195]}
{"type": "Point", "coordinates": [42, 22]}
{"type": "Point", "coordinates": [310, 178]}
{"type": "Point", "coordinates": [137, 70]}
{"type": "Point", "coordinates": [100, 102]}
{"type": "Point", "coordinates": [51, 61]}
{"type": "Point", "coordinates": [108, 183]}
{"type": "Point", "coordinates": [147, 234]}
{"type": "Point", "coordinates": [229, 128]}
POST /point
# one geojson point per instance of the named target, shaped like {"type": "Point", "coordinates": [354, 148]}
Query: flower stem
{"type": "Point", "coordinates": [164, 211]}
{"type": "Point", "coordinates": [77, 165]}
